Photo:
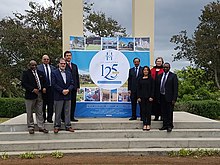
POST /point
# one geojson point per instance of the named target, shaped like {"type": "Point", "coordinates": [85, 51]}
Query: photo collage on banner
{"type": "Point", "coordinates": [117, 43]}
{"type": "Point", "coordinates": [84, 51]}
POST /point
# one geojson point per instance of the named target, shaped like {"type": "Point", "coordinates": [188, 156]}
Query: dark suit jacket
{"type": "Point", "coordinates": [133, 80]}
{"type": "Point", "coordinates": [29, 83]}
{"type": "Point", "coordinates": [59, 85]}
{"type": "Point", "coordinates": [171, 87]}
{"type": "Point", "coordinates": [75, 74]}
{"type": "Point", "coordinates": [41, 68]}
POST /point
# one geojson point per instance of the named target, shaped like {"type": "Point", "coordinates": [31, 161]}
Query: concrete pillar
{"type": "Point", "coordinates": [72, 21]}
{"type": "Point", "coordinates": [143, 22]}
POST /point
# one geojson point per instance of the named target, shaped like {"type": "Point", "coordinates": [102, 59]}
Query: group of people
{"type": "Point", "coordinates": [52, 89]}
{"type": "Point", "coordinates": [55, 90]}
{"type": "Point", "coordinates": [155, 90]}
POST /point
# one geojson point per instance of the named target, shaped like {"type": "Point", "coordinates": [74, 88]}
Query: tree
{"type": "Point", "coordinates": [203, 49]}
{"type": "Point", "coordinates": [37, 32]}
{"type": "Point", "coordinates": [28, 36]}
{"type": "Point", "coordinates": [99, 25]}
{"type": "Point", "coordinates": [195, 84]}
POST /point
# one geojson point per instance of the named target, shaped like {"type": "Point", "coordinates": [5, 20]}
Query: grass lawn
{"type": "Point", "coordinates": [3, 119]}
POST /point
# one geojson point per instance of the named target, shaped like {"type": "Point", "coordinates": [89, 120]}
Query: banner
{"type": "Point", "coordinates": [103, 64]}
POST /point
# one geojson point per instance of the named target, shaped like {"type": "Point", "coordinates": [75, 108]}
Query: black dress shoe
{"type": "Point", "coordinates": [50, 121]}
{"type": "Point", "coordinates": [133, 118]}
{"type": "Point", "coordinates": [169, 129]}
{"type": "Point", "coordinates": [43, 130]}
{"type": "Point", "coordinates": [31, 131]}
{"type": "Point", "coordinates": [74, 120]}
{"type": "Point", "coordinates": [163, 128]}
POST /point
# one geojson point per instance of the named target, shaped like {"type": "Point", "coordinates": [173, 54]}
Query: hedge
{"type": "Point", "coordinates": [11, 107]}
{"type": "Point", "coordinates": [205, 108]}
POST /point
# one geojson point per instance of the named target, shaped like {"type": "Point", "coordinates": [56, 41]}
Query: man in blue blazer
{"type": "Point", "coordinates": [46, 68]}
{"type": "Point", "coordinates": [63, 85]}
{"type": "Point", "coordinates": [75, 74]}
{"type": "Point", "coordinates": [134, 74]}
{"type": "Point", "coordinates": [167, 93]}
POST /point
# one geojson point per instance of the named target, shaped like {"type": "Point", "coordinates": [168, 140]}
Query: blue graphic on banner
{"type": "Point", "coordinates": [100, 109]}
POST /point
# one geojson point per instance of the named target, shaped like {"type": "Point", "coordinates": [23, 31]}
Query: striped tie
{"type": "Point", "coordinates": [37, 79]}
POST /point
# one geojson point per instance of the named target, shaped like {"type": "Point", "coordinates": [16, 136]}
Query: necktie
{"type": "Point", "coordinates": [70, 65]}
{"type": "Point", "coordinates": [136, 71]}
{"type": "Point", "coordinates": [162, 88]}
{"type": "Point", "coordinates": [37, 79]}
{"type": "Point", "coordinates": [47, 74]}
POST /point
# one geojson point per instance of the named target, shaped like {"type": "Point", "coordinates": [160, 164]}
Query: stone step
{"type": "Point", "coordinates": [116, 143]}
{"type": "Point", "coordinates": [132, 151]}
{"type": "Point", "coordinates": [98, 134]}
{"type": "Point", "coordinates": [116, 125]}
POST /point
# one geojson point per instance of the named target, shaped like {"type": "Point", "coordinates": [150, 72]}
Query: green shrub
{"type": "Point", "coordinates": [205, 108]}
{"type": "Point", "coordinates": [57, 154]}
{"type": "Point", "coordinates": [194, 152]}
{"type": "Point", "coordinates": [11, 107]}
{"type": "Point", "coordinates": [28, 155]}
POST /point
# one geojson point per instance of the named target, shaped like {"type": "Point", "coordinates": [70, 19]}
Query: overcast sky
{"type": "Point", "coordinates": [171, 16]}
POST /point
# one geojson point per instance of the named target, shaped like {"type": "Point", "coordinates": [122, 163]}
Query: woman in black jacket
{"type": "Point", "coordinates": [145, 94]}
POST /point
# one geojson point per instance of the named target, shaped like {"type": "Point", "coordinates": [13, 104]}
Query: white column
{"type": "Point", "coordinates": [143, 22]}
{"type": "Point", "coordinates": [72, 20]}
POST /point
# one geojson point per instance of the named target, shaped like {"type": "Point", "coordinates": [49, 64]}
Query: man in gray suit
{"type": "Point", "coordinates": [62, 82]}
{"type": "Point", "coordinates": [34, 83]}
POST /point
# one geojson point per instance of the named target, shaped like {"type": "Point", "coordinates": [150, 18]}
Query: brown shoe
{"type": "Point", "coordinates": [43, 130]}
{"type": "Point", "coordinates": [56, 130]}
{"type": "Point", "coordinates": [31, 131]}
{"type": "Point", "coordinates": [70, 129]}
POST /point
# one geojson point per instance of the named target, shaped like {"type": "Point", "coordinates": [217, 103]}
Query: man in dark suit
{"type": "Point", "coordinates": [63, 85]}
{"type": "Point", "coordinates": [34, 83]}
{"type": "Point", "coordinates": [46, 68]}
{"type": "Point", "coordinates": [134, 74]}
{"type": "Point", "coordinates": [167, 93]}
{"type": "Point", "coordinates": [75, 74]}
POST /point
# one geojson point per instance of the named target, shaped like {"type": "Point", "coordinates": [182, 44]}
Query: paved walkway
{"type": "Point", "coordinates": [178, 117]}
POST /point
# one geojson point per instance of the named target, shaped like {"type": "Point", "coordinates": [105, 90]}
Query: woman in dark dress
{"type": "Point", "coordinates": [145, 93]}
{"type": "Point", "coordinates": [155, 71]}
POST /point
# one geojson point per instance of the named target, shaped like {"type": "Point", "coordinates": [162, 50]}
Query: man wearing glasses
{"type": "Point", "coordinates": [34, 83]}
{"type": "Point", "coordinates": [46, 68]}
{"type": "Point", "coordinates": [63, 85]}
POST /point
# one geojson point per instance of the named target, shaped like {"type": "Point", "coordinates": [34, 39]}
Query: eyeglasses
{"type": "Point", "coordinates": [46, 59]}
{"type": "Point", "coordinates": [62, 63]}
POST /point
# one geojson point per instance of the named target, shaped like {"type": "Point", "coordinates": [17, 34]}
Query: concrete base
{"type": "Point", "coordinates": [112, 136]}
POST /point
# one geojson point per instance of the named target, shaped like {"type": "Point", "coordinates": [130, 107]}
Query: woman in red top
{"type": "Point", "coordinates": [155, 71]}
